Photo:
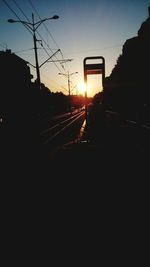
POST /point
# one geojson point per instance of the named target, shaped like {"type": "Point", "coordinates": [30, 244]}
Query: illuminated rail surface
{"type": "Point", "coordinates": [63, 128]}
{"type": "Point", "coordinates": [69, 127]}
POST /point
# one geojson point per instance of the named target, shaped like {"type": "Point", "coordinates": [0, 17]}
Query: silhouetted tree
{"type": "Point", "coordinates": [127, 89]}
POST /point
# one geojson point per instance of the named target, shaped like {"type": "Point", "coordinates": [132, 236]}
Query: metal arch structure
{"type": "Point", "coordinates": [93, 69]}
{"type": "Point", "coordinates": [98, 68]}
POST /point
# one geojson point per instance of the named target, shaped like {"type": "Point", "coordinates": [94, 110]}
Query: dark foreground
{"type": "Point", "coordinates": [109, 152]}
{"type": "Point", "coordinates": [83, 196]}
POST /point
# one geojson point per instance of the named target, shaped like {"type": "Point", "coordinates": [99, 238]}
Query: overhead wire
{"type": "Point", "coordinates": [28, 28]}
{"type": "Point", "coordinates": [9, 7]}
{"type": "Point", "coordinates": [35, 10]}
{"type": "Point", "coordinates": [21, 10]}
{"type": "Point", "coordinates": [30, 2]}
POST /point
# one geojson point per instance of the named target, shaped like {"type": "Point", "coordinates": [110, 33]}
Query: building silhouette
{"type": "Point", "coordinates": [18, 109]}
{"type": "Point", "coordinates": [15, 85]}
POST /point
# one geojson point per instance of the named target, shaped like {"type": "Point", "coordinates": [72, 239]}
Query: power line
{"type": "Point", "coordinates": [15, 14]}
{"type": "Point", "coordinates": [46, 29]}
{"type": "Point", "coordinates": [33, 27]}
{"type": "Point", "coordinates": [27, 27]}
{"type": "Point", "coordinates": [43, 23]}
{"type": "Point", "coordinates": [21, 10]}
{"type": "Point", "coordinates": [46, 50]}
{"type": "Point", "coordinates": [30, 30]}
{"type": "Point", "coordinates": [24, 50]}
{"type": "Point", "coordinates": [30, 2]}
{"type": "Point", "coordinates": [49, 49]}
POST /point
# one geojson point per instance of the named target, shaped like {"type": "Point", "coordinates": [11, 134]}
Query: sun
{"type": "Point", "coordinates": [81, 88]}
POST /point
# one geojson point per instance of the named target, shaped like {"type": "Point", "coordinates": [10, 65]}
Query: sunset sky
{"type": "Point", "coordinates": [85, 28]}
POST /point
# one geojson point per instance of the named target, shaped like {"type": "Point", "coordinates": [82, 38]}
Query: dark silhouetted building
{"type": "Point", "coordinates": [20, 136]}
{"type": "Point", "coordinates": [15, 85]}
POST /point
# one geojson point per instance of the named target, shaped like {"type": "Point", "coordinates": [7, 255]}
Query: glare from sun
{"type": "Point", "coordinates": [81, 88]}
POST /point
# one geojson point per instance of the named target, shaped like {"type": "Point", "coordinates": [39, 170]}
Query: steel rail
{"type": "Point", "coordinates": [58, 124]}
{"type": "Point", "coordinates": [63, 128]}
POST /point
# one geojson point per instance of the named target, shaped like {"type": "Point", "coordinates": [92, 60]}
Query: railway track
{"type": "Point", "coordinates": [115, 116]}
{"type": "Point", "coordinates": [62, 129]}
{"type": "Point", "coordinates": [71, 128]}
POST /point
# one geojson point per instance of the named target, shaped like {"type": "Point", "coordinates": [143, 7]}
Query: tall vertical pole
{"type": "Point", "coordinates": [85, 82]}
{"type": "Point", "coordinates": [68, 78]}
{"type": "Point", "coordinates": [68, 83]}
{"type": "Point", "coordinates": [36, 56]}
{"type": "Point", "coordinates": [33, 27]}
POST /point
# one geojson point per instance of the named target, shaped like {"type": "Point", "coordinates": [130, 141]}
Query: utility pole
{"type": "Point", "coordinates": [68, 79]}
{"type": "Point", "coordinates": [36, 55]}
{"type": "Point", "coordinates": [33, 27]}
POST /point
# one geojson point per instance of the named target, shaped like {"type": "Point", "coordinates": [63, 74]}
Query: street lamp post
{"type": "Point", "coordinates": [33, 27]}
{"type": "Point", "coordinates": [68, 78]}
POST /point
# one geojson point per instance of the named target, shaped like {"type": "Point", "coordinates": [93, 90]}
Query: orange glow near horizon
{"type": "Point", "coordinates": [93, 86]}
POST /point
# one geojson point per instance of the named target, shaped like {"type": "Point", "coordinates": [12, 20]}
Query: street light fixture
{"type": "Point", "coordinates": [33, 27]}
{"type": "Point", "coordinates": [68, 78]}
